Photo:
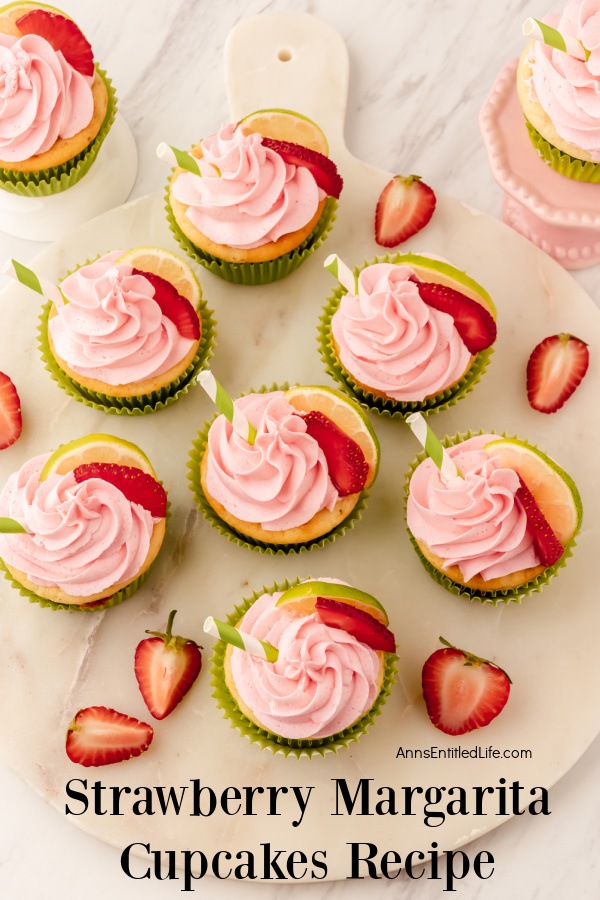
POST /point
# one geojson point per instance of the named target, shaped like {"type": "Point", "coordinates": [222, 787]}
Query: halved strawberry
{"type": "Point", "coordinates": [404, 207]}
{"type": "Point", "coordinates": [99, 736]}
{"type": "Point", "coordinates": [356, 622]}
{"type": "Point", "coordinates": [166, 666]}
{"type": "Point", "coordinates": [462, 692]}
{"type": "Point", "coordinates": [62, 34]}
{"type": "Point", "coordinates": [172, 305]}
{"type": "Point", "coordinates": [323, 169]}
{"type": "Point", "coordinates": [548, 545]}
{"type": "Point", "coordinates": [555, 368]}
{"type": "Point", "coordinates": [473, 322]}
{"type": "Point", "coordinates": [11, 420]}
{"type": "Point", "coordinates": [139, 487]}
{"type": "Point", "coordinates": [346, 463]}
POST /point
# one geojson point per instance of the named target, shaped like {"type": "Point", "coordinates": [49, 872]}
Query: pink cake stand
{"type": "Point", "coordinates": [560, 215]}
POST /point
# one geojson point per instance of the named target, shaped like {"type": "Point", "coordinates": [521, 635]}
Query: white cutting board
{"type": "Point", "coordinates": [52, 663]}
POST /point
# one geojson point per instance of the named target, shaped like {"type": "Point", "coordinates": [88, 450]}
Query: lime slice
{"type": "Point", "coordinates": [99, 448]}
{"type": "Point", "coordinates": [286, 125]}
{"type": "Point", "coordinates": [302, 598]}
{"type": "Point", "coordinates": [447, 274]}
{"type": "Point", "coordinates": [554, 491]}
{"type": "Point", "coordinates": [169, 266]}
{"type": "Point", "coordinates": [346, 414]}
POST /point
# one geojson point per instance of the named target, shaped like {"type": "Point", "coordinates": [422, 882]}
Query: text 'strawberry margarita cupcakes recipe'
{"type": "Point", "coordinates": [56, 106]}
{"type": "Point", "coordinates": [92, 519]}
{"type": "Point", "coordinates": [252, 207]}
{"type": "Point", "coordinates": [299, 479]}
{"type": "Point", "coordinates": [409, 333]}
{"type": "Point", "coordinates": [502, 526]}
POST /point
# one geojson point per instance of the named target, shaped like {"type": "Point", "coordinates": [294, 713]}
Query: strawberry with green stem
{"type": "Point", "coordinates": [166, 666]}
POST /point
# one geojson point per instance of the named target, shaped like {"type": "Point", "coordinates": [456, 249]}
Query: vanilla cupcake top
{"type": "Point", "coordinates": [323, 681]}
{"type": "Point", "coordinates": [112, 329]}
{"type": "Point", "coordinates": [568, 89]}
{"type": "Point", "coordinates": [42, 97]}
{"type": "Point", "coordinates": [85, 537]}
{"type": "Point", "coordinates": [391, 341]}
{"type": "Point", "coordinates": [247, 194]}
{"type": "Point", "coordinates": [475, 522]}
{"type": "Point", "coordinates": [281, 481]}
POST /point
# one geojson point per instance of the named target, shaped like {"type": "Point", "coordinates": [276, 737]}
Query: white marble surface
{"type": "Point", "coordinates": [419, 73]}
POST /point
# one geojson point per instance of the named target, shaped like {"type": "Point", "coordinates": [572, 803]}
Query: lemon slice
{"type": "Point", "coordinates": [98, 448]}
{"type": "Point", "coordinates": [169, 266]}
{"type": "Point", "coordinates": [445, 273]}
{"type": "Point", "coordinates": [346, 414]}
{"type": "Point", "coordinates": [302, 598]}
{"type": "Point", "coordinates": [554, 491]}
{"type": "Point", "coordinates": [285, 125]}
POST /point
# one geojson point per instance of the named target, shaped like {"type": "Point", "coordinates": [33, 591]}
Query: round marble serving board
{"type": "Point", "coordinates": [53, 663]}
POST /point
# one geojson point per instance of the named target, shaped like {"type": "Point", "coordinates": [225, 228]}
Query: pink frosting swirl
{"type": "Point", "coordinates": [84, 538]}
{"type": "Point", "coordinates": [391, 341]}
{"type": "Point", "coordinates": [474, 522]}
{"type": "Point", "coordinates": [112, 329]}
{"type": "Point", "coordinates": [281, 481]}
{"type": "Point", "coordinates": [323, 681]}
{"type": "Point", "coordinates": [247, 195]}
{"type": "Point", "coordinates": [568, 89]}
{"type": "Point", "coordinates": [42, 97]}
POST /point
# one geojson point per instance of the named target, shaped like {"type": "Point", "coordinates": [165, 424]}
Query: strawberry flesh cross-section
{"type": "Point", "coordinates": [346, 463]}
{"type": "Point", "coordinates": [474, 323]}
{"type": "Point", "coordinates": [173, 306]}
{"type": "Point", "coordinates": [62, 34]}
{"type": "Point", "coordinates": [547, 544]}
{"type": "Point", "coordinates": [323, 169]}
{"type": "Point", "coordinates": [357, 622]}
{"type": "Point", "coordinates": [139, 487]}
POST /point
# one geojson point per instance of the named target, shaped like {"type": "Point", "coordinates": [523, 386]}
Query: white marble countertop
{"type": "Point", "coordinates": [419, 74]}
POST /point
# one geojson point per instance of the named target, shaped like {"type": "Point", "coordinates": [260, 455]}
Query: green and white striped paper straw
{"type": "Point", "coordinates": [432, 446]}
{"type": "Point", "coordinates": [11, 526]}
{"type": "Point", "coordinates": [342, 272]}
{"type": "Point", "coordinates": [28, 278]}
{"type": "Point", "coordinates": [225, 404]}
{"type": "Point", "coordinates": [247, 642]}
{"type": "Point", "coordinates": [553, 38]}
{"type": "Point", "coordinates": [179, 158]}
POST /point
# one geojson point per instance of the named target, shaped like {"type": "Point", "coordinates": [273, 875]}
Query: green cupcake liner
{"type": "Point", "coordinates": [259, 272]}
{"type": "Point", "coordinates": [394, 409]}
{"type": "Point", "coordinates": [561, 162]}
{"type": "Point", "coordinates": [267, 740]}
{"type": "Point", "coordinates": [195, 456]}
{"type": "Point", "coordinates": [496, 596]}
{"type": "Point", "coordinates": [141, 404]}
{"type": "Point", "coordinates": [59, 178]}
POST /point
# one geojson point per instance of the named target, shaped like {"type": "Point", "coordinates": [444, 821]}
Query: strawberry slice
{"type": "Point", "coordinates": [356, 622]}
{"type": "Point", "coordinates": [139, 487]}
{"type": "Point", "coordinates": [555, 368]}
{"type": "Point", "coordinates": [166, 666]}
{"type": "Point", "coordinates": [462, 691]}
{"type": "Point", "coordinates": [173, 306]}
{"type": "Point", "coordinates": [404, 207]}
{"type": "Point", "coordinates": [99, 736]}
{"type": "Point", "coordinates": [11, 421]}
{"type": "Point", "coordinates": [346, 463]}
{"type": "Point", "coordinates": [323, 169]}
{"type": "Point", "coordinates": [62, 34]}
{"type": "Point", "coordinates": [548, 545]}
{"type": "Point", "coordinates": [474, 323]}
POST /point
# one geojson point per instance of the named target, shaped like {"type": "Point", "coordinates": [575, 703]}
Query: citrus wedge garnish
{"type": "Point", "coordinates": [301, 599]}
{"type": "Point", "coordinates": [286, 125]}
{"type": "Point", "coordinates": [169, 266]}
{"type": "Point", "coordinates": [346, 414]}
{"type": "Point", "coordinates": [553, 490]}
{"type": "Point", "coordinates": [97, 448]}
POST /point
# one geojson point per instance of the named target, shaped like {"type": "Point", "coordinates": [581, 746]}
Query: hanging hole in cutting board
{"type": "Point", "coordinates": [284, 54]}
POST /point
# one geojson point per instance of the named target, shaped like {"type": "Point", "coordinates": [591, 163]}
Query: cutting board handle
{"type": "Point", "coordinates": [292, 61]}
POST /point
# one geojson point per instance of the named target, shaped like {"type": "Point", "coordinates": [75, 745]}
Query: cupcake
{"type": "Point", "coordinates": [56, 105]}
{"type": "Point", "coordinates": [262, 202]}
{"type": "Point", "coordinates": [415, 335]}
{"type": "Point", "coordinates": [559, 95]}
{"type": "Point", "coordinates": [302, 480]}
{"type": "Point", "coordinates": [125, 339]}
{"type": "Point", "coordinates": [92, 517]}
{"type": "Point", "coordinates": [503, 527]}
{"type": "Point", "coordinates": [333, 671]}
